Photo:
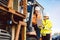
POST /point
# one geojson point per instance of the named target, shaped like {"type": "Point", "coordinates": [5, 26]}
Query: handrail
{"type": "Point", "coordinates": [13, 19]}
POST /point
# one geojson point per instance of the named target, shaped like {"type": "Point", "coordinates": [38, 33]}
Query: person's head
{"type": "Point", "coordinates": [37, 10]}
{"type": "Point", "coordinates": [45, 16]}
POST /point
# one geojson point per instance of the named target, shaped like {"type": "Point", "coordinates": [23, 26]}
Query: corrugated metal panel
{"type": "Point", "coordinates": [5, 2]}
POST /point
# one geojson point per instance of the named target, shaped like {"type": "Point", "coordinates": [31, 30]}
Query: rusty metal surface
{"type": "Point", "coordinates": [12, 11]}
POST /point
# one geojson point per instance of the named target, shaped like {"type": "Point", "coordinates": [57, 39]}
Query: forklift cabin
{"type": "Point", "coordinates": [15, 22]}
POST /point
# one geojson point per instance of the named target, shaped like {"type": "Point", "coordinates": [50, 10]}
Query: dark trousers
{"type": "Point", "coordinates": [47, 37]}
{"type": "Point", "coordinates": [37, 31]}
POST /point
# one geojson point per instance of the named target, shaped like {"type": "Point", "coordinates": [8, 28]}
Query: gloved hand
{"type": "Point", "coordinates": [40, 27]}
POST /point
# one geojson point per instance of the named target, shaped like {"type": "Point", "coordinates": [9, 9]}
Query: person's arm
{"type": "Point", "coordinates": [49, 25]}
{"type": "Point", "coordinates": [39, 20]}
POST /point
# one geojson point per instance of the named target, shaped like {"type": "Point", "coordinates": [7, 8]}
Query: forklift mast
{"type": "Point", "coordinates": [30, 9]}
{"type": "Point", "coordinates": [30, 28]}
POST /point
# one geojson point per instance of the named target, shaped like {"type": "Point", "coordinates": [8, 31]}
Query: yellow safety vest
{"type": "Point", "coordinates": [47, 27]}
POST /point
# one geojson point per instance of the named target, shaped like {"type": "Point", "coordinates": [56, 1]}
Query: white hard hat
{"type": "Point", "coordinates": [37, 8]}
{"type": "Point", "coordinates": [45, 14]}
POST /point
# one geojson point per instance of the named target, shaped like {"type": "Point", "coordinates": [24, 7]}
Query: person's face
{"type": "Point", "coordinates": [36, 11]}
{"type": "Point", "coordinates": [46, 17]}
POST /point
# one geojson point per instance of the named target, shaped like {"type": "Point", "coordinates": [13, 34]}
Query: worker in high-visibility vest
{"type": "Point", "coordinates": [46, 29]}
{"type": "Point", "coordinates": [36, 17]}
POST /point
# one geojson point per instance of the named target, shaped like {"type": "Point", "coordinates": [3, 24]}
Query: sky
{"type": "Point", "coordinates": [52, 7]}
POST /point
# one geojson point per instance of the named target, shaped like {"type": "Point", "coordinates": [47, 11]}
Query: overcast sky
{"type": "Point", "coordinates": [52, 7]}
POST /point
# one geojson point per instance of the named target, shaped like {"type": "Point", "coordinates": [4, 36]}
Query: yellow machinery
{"type": "Point", "coordinates": [13, 20]}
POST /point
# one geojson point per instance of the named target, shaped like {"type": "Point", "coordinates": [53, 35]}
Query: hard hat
{"type": "Point", "coordinates": [45, 14]}
{"type": "Point", "coordinates": [37, 8]}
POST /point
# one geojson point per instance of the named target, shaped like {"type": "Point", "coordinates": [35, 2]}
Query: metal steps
{"type": "Point", "coordinates": [4, 35]}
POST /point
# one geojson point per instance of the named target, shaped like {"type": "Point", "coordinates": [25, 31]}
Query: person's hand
{"type": "Point", "coordinates": [40, 27]}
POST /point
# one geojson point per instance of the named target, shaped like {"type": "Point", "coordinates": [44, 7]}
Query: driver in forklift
{"type": "Point", "coordinates": [36, 17]}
